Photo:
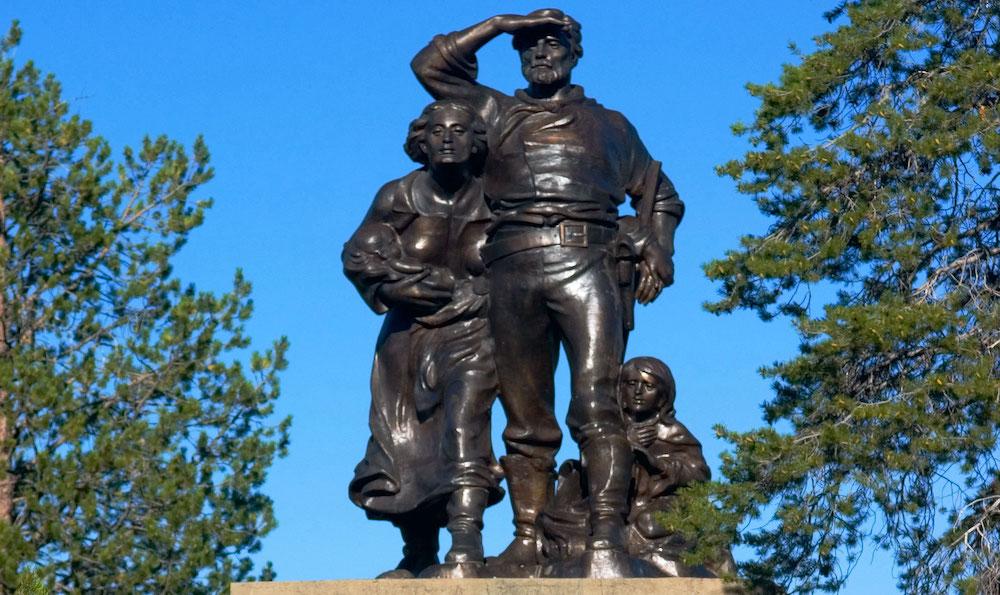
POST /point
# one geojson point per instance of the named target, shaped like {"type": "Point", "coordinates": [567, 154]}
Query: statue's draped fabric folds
{"type": "Point", "coordinates": [504, 246]}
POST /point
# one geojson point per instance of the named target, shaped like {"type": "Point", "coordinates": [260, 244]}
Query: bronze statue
{"type": "Point", "coordinates": [559, 166]}
{"type": "Point", "coordinates": [416, 259]}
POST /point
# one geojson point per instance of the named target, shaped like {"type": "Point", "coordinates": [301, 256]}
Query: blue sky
{"type": "Point", "coordinates": [304, 106]}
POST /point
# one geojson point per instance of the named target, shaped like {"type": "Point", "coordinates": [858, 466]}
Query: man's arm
{"type": "Point", "coordinates": [657, 267]}
{"type": "Point", "coordinates": [447, 67]}
{"type": "Point", "coordinates": [656, 244]}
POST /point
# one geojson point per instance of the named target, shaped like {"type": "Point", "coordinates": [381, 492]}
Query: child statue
{"type": "Point", "coordinates": [666, 457]}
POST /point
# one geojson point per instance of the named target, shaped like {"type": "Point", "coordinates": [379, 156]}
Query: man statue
{"type": "Point", "coordinates": [559, 166]}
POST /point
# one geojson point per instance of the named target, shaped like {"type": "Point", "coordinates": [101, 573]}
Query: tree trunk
{"type": "Point", "coordinates": [6, 478]}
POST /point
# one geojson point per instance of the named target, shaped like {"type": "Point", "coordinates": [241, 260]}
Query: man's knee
{"type": "Point", "coordinates": [597, 427]}
{"type": "Point", "coordinates": [594, 410]}
{"type": "Point", "coordinates": [540, 441]}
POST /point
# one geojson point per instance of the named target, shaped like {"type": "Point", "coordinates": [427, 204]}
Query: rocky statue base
{"type": "Point", "coordinates": [511, 586]}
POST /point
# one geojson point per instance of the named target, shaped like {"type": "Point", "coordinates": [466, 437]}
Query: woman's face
{"type": "Point", "coordinates": [640, 394]}
{"type": "Point", "coordinates": [448, 138]}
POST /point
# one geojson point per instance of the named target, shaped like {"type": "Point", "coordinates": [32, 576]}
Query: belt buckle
{"type": "Point", "coordinates": [573, 235]}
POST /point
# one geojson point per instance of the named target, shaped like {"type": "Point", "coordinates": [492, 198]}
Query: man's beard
{"type": "Point", "coordinates": [547, 76]}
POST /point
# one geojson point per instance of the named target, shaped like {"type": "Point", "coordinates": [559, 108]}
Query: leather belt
{"type": "Point", "coordinates": [568, 233]}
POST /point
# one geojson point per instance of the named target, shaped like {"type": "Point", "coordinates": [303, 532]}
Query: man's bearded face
{"type": "Point", "coordinates": [547, 60]}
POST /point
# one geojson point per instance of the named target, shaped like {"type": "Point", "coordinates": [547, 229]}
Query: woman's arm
{"type": "Point", "coordinates": [424, 291]}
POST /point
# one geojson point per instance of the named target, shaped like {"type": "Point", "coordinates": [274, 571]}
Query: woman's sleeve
{"type": "Point", "coordinates": [359, 268]}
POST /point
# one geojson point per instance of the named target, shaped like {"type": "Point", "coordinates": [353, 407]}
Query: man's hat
{"type": "Point", "coordinates": [570, 32]}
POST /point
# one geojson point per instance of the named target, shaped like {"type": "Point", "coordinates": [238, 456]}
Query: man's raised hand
{"type": "Point", "coordinates": [512, 23]}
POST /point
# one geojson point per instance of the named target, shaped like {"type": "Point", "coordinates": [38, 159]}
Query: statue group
{"type": "Point", "coordinates": [505, 244]}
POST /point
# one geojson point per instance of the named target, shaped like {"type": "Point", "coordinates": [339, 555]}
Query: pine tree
{"type": "Point", "coordinates": [133, 438]}
{"type": "Point", "coordinates": [876, 159]}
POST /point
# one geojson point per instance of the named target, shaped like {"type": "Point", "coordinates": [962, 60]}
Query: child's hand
{"type": "Point", "coordinates": [644, 435]}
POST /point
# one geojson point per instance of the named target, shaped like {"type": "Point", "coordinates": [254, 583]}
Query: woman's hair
{"type": "Point", "coordinates": [659, 370]}
{"type": "Point", "coordinates": [418, 126]}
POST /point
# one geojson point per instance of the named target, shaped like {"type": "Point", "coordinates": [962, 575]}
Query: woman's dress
{"type": "Point", "coordinates": [433, 380]}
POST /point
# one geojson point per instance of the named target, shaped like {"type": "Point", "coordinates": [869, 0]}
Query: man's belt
{"type": "Point", "coordinates": [568, 233]}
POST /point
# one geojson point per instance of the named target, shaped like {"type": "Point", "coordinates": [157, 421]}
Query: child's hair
{"type": "Point", "coordinates": [661, 372]}
{"type": "Point", "coordinates": [378, 239]}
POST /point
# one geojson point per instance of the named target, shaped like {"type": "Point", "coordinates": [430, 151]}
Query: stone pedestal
{"type": "Point", "coordinates": [494, 586]}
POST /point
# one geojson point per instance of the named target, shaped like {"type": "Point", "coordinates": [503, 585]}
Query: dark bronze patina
{"type": "Point", "coordinates": [416, 258]}
{"type": "Point", "coordinates": [522, 213]}
{"type": "Point", "coordinates": [559, 166]}
{"type": "Point", "coordinates": [666, 457]}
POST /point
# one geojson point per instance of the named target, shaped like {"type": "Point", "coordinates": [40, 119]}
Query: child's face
{"type": "Point", "coordinates": [640, 392]}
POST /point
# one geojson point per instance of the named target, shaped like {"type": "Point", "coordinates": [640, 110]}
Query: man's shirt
{"type": "Point", "coordinates": [565, 158]}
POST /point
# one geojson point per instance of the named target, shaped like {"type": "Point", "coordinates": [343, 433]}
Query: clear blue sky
{"type": "Point", "coordinates": [304, 106]}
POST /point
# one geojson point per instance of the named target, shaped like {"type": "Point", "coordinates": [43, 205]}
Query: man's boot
{"type": "Point", "coordinates": [607, 463]}
{"type": "Point", "coordinates": [530, 484]}
{"type": "Point", "coordinates": [465, 523]}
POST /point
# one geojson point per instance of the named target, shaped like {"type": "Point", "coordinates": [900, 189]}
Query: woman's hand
{"type": "Point", "coordinates": [429, 289]}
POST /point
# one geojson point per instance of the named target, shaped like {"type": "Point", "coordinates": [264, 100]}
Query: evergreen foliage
{"type": "Point", "coordinates": [877, 159]}
{"type": "Point", "coordinates": [133, 439]}
{"type": "Point", "coordinates": [28, 583]}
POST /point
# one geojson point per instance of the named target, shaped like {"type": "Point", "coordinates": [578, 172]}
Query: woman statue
{"type": "Point", "coordinates": [415, 258]}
